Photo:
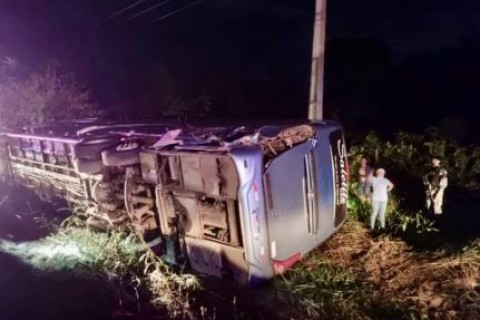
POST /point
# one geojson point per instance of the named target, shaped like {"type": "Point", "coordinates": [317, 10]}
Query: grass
{"type": "Point", "coordinates": [357, 276]}
{"type": "Point", "coordinates": [325, 286]}
{"type": "Point", "coordinates": [408, 272]}
{"type": "Point", "coordinates": [354, 275]}
{"type": "Point", "coordinates": [119, 260]}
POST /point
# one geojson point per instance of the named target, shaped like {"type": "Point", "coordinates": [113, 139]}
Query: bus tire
{"type": "Point", "coordinates": [120, 158]}
{"type": "Point", "coordinates": [91, 149]}
{"type": "Point", "coordinates": [87, 166]}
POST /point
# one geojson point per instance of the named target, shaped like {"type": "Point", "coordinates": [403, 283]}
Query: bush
{"type": "Point", "coordinates": [42, 97]}
{"type": "Point", "coordinates": [121, 261]}
{"type": "Point", "coordinates": [407, 157]}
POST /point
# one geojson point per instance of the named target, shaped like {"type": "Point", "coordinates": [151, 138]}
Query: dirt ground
{"type": "Point", "coordinates": [438, 284]}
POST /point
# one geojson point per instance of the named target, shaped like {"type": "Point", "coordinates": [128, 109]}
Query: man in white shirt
{"type": "Point", "coordinates": [381, 187]}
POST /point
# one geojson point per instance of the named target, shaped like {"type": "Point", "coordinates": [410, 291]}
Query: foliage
{"type": "Point", "coordinates": [406, 159]}
{"type": "Point", "coordinates": [408, 156]}
{"type": "Point", "coordinates": [326, 289]}
{"type": "Point", "coordinates": [118, 259]}
{"type": "Point", "coordinates": [185, 109]}
{"type": "Point", "coordinates": [42, 97]}
{"type": "Point", "coordinates": [400, 221]}
{"type": "Point", "coordinates": [357, 276]}
{"type": "Point", "coordinates": [370, 275]}
{"type": "Point", "coordinates": [320, 287]}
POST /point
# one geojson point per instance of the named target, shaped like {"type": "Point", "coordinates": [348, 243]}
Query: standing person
{"type": "Point", "coordinates": [364, 186]}
{"type": "Point", "coordinates": [381, 187]}
{"type": "Point", "coordinates": [435, 181]}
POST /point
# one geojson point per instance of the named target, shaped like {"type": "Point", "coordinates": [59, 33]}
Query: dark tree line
{"type": "Point", "coordinates": [365, 89]}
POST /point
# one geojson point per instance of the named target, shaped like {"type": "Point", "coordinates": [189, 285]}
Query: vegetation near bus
{"type": "Point", "coordinates": [40, 97]}
{"type": "Point", "coordinates": [417, 269]}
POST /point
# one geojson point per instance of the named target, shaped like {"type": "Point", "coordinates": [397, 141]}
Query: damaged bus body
{"type": "Point", "coordinates": [242, 203]}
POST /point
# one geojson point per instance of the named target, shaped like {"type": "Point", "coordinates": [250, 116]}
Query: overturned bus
{"type": "Point", "coordinates": [242, 203]}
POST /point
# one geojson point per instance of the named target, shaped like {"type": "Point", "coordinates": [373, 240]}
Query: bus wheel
{"type": "Point", "coordinates": [140, 205]}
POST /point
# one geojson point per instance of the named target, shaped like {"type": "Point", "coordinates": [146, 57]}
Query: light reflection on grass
{"type": "Point", "coordinates": [119, 259]}
{"type": "Point", "coordinates": [68, 250]}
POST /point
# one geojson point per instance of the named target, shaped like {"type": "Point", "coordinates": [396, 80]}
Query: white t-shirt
{"type": "Point", "coordinates": [380, 191]}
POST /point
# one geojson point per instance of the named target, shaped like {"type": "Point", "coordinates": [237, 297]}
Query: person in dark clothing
{"type": "Point", "coordinates": [435, 181]}
{"type": "Point", "coordinates": [364, 187]}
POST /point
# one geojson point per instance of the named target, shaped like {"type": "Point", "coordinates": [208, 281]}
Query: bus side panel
{"type": "Point", "coordinates": [331, 164]}
{"type": "Point", "coordinates": [249, 163]}
{"type": "Point", "coordinates": [291, 193]}
{"type": "Point", "coordinates": [325, 183]}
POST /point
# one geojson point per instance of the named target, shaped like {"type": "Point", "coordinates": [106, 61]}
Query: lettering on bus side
{"type": "Point", "coordinates": [342, 155]}
{"type": "Point", "coordinates": [339, 153]}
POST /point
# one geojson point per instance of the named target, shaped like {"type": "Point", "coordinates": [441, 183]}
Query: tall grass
{"type": "Point", "coordinates": [119, 260]}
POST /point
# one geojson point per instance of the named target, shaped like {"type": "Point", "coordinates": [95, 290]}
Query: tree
{"type": "Point", "coordinates": [183, 109]}
{"type": "Point", "coordinates": [41, 97]}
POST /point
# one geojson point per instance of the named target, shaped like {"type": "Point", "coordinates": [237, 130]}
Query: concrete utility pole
{"type": "Point", "coordinates": [315, 108]}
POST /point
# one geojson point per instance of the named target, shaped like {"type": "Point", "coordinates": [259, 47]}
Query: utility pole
{"type": "Point", "coordinates": [315, 108]}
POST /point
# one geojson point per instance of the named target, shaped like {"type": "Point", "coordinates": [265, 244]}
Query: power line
{"type": "Point", "coordinates": [119, 12]}
{"type": "Point", "coordinates": [149, 9]}
{"type": "Point", "coordinates": [188, 6]}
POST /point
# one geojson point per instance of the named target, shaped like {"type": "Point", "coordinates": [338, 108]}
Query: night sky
{"type": "Point", "coordinates": [407, 63]}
